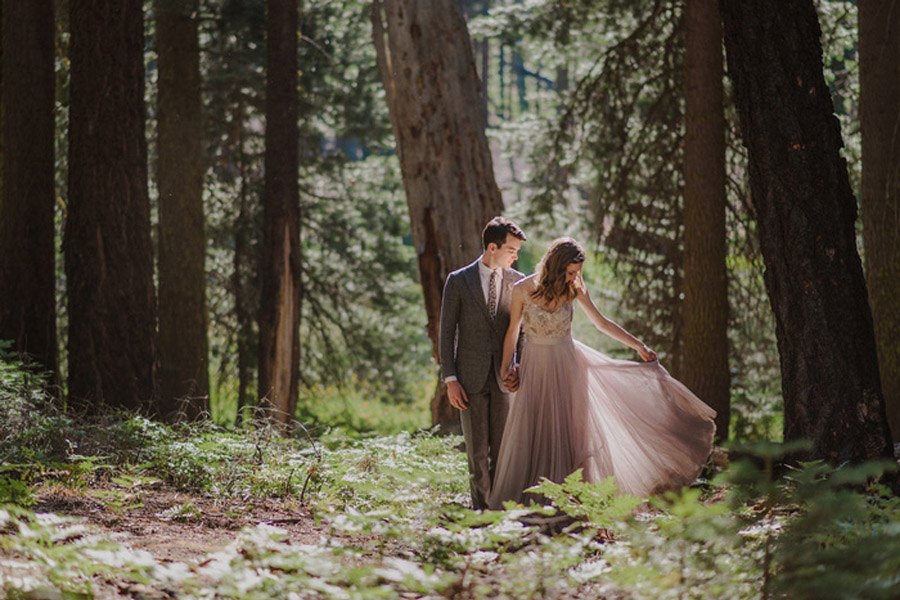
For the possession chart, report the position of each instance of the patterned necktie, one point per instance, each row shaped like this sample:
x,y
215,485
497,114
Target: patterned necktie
x,y
492,294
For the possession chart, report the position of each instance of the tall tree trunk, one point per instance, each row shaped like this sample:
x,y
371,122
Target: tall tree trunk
x,y
805,215
485,46
879,70
428,68
279,315
183,345
1,106
108,256
243,266
27,252
704,360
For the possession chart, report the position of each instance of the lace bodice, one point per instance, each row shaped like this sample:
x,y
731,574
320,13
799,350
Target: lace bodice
x,y
540,323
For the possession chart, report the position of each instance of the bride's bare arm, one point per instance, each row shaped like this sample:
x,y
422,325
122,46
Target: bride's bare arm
x,y
610,327
517,303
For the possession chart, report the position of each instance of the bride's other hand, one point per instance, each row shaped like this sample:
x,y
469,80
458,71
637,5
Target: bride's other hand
x,y
647,354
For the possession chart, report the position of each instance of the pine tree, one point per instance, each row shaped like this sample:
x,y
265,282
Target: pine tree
x,y
27,251
433,91
183,346
879,70
108,255
806,214
279,314
704,361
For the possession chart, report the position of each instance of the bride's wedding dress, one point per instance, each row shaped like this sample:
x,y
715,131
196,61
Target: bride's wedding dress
x,y
578,408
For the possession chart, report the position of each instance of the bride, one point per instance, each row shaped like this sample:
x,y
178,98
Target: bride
x,y
578,408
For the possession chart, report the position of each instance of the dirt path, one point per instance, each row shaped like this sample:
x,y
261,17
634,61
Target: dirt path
x,y
174,526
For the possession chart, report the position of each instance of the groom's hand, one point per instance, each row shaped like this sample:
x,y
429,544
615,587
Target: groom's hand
x,y
457,395
511,379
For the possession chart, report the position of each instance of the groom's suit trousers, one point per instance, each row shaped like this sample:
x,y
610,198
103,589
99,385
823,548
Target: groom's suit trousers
x,y
482,426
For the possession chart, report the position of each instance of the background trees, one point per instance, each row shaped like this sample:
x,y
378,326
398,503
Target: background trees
x,y
879,112
279,313
806,213
704,364
602,122
27,269
183,347
112,349
433,93
234,80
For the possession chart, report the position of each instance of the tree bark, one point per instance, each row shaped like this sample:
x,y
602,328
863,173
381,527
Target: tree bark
x,y
428,69
485,81
704,364
27,251
879,70
243,267
108,256
805,215
183,345
1,106
279,316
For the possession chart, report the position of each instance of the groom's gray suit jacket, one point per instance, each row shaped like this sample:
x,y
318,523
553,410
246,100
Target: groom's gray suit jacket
x,y
471,343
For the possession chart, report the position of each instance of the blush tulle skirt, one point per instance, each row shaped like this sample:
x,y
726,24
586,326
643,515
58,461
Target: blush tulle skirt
x,y
578,408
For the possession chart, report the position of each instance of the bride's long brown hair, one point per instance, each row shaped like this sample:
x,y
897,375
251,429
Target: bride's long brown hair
x,y
551,272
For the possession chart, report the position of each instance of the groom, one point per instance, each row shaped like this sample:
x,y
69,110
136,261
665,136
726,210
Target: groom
x,y
474,318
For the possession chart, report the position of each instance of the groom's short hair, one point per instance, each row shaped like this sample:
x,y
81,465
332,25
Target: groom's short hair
x,y
497,229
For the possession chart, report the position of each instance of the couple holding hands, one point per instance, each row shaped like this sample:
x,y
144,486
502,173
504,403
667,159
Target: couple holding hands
x,y
535,403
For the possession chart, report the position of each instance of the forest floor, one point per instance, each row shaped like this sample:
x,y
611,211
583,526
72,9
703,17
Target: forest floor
x,y
159,513
205,513
154,519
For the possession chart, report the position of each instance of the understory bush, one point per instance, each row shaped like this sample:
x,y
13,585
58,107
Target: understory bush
x,y
30,419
